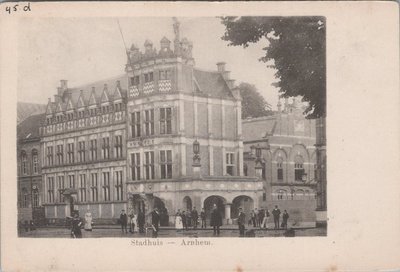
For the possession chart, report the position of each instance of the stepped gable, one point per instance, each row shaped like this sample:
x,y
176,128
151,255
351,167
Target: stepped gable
x,y
29,128
99,88
211,83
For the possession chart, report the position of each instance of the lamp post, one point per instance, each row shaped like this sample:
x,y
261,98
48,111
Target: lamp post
x,y
196,159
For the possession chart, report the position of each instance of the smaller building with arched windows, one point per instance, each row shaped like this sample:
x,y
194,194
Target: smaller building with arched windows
x,y
30,193
280,149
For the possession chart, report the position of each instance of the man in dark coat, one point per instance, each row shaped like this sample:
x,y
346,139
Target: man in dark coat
x,y
76,227
183,216
123,218
141,221
285,217
188,218
195,217
216,220
203,219
155,221
276,213
241,222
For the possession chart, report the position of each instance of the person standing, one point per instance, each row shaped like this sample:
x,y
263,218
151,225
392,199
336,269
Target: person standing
x,y
285,217
216,220
123,218
265,219
188,219
195,217
241,222
76,227
260,218
183,216
253,218
178,221
155,222
203,218
256,217
88,220
140,221
132,223
276,213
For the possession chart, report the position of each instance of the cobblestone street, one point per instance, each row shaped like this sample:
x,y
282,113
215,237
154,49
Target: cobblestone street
x,y
164,233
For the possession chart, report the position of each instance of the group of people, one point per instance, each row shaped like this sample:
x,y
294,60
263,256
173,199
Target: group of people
x,y
189,219
260,219
76,224
135,221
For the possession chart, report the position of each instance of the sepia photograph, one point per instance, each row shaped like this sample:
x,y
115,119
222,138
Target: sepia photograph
x,y
171,127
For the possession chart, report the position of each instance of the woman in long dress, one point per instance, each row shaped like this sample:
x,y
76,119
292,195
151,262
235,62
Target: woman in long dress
x,y
88,220
178,222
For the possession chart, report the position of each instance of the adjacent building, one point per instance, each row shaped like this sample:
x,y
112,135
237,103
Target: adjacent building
x,y
280,149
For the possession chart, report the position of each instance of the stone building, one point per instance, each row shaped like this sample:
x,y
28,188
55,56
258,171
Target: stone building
x,y
30,189
164,134
280,149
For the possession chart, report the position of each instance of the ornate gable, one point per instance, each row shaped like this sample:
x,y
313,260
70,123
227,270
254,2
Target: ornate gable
x,y
104,95
49,109
59,107
117,94
70,106
81,101
92,99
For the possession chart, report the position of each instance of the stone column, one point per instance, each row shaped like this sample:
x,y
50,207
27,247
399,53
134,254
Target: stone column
x,y
228,213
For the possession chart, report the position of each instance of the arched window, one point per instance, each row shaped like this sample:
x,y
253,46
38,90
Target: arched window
x,y
279,166
35,161
24,162
25,198
298,168
35,198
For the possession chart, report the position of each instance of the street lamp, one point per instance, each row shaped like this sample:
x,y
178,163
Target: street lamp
x,y
196,152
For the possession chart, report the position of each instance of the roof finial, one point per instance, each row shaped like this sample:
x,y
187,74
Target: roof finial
x,y
176,28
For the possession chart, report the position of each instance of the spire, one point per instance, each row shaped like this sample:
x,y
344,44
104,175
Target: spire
x,y
177,36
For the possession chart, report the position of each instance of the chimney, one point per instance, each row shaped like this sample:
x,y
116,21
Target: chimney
x,y
230,82
64,84
221,66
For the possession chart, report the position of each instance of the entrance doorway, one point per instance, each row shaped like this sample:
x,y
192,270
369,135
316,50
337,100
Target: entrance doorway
x,y
209,204
187,203
244,202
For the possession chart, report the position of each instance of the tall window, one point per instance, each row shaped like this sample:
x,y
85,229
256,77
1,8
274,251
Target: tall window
x,y
81,114
70,152
135,80
35,202
280,171
60,154
118,186
229,163
35,161
118,146
24,163
106,148
135,125
135,166
93,149
148,77
82,188
25,198
298,169
149,122
61,187
81,151
71,181
165,74
165,120
50,189
49,155
149,165
94,187
166,164
106,186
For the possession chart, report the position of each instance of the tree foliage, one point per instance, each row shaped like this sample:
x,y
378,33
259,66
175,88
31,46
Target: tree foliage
x,y
295,47
253,104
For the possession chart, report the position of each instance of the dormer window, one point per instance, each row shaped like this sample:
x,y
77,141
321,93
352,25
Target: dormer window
x,y
148,77
70,116
92,112
81,114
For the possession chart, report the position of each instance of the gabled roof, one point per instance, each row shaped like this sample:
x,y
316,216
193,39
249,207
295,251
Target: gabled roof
x,y
211,83
29,128
258,128
70,105
104,95
92,99
24,110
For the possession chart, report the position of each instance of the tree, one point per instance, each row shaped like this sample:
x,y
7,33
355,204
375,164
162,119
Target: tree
x,y
253,104
295,47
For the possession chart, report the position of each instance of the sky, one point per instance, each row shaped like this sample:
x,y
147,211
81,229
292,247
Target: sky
x,y
84,50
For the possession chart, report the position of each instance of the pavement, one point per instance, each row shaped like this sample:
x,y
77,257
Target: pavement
x,y
166,232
